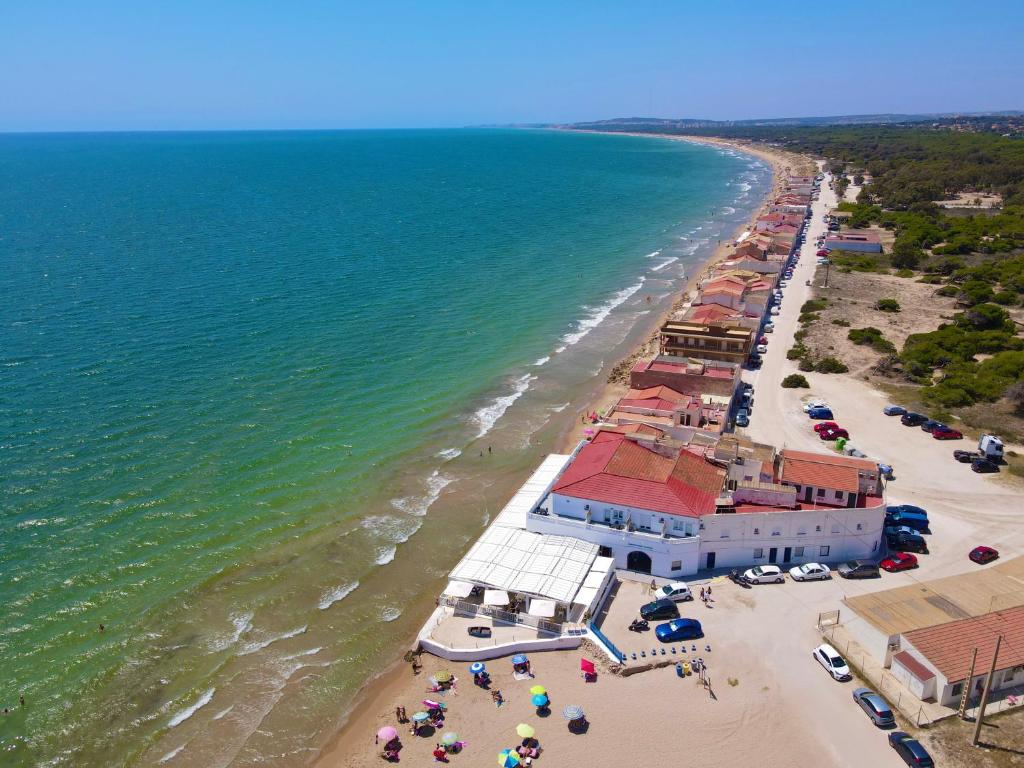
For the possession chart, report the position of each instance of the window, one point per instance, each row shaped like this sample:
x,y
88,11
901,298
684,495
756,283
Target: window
x,y
821,492
758,553
839,494
823,552
835,529
817,529
957,690
798,552
677,565
860,526
757,531
777,532
801,531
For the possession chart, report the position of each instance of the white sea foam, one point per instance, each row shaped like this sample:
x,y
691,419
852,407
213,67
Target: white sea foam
x,y
187,712
541,360
260,645
336,594
418,505
664,264
303,654
448,454
598,316
390,613
652,254
223,713
728,210
488,416
558,408
170,755
745,186
385,555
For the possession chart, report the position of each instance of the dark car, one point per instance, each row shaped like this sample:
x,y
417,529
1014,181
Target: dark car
x,y
820,413
984,466
982,555
907,542
965,457
898,561
908,518
875,707
754,362
913,419
894,508
910,750
931,425
858,569
947,434
679,629
659,609
833,434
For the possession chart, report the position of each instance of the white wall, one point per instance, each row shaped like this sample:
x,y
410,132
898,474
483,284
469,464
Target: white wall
x,y
922,690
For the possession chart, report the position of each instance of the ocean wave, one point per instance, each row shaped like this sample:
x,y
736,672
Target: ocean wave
x,y
223,713
728,210
170,755
448,454
652,254
598,315
385,555
303,654
418,505
488,416
390,613
744,186
541,360
260,645
187,712
664,264
558,408
336,594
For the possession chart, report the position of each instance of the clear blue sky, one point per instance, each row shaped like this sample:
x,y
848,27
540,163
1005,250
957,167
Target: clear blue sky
x,y
143,64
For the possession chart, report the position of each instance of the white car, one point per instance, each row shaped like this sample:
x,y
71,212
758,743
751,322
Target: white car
x,y
676,590
815,404
764,574
762,349
769,328
833,663
783,283
774,310
810,572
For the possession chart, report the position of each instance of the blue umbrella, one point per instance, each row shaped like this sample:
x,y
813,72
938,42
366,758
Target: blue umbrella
x,y
519,658
539,700
476,668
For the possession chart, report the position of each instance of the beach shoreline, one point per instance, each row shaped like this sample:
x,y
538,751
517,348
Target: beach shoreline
x,y
377,697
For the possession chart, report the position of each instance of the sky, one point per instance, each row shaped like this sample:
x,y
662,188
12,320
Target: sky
x,y
249,64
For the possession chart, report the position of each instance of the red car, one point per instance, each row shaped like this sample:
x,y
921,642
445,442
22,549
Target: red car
x,y
823,425
898,561
764,340
823,252
833,434
982,555
947,434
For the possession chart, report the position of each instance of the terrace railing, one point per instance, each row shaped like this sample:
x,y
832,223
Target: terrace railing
x,y
506,617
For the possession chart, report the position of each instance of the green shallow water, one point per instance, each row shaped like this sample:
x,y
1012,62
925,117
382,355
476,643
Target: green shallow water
x,y
235,371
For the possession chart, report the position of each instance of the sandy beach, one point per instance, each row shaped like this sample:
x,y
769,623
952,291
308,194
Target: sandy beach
x,y
487,729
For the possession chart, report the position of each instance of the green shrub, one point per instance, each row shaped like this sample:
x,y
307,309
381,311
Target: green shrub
x,y
796,352
840,321
930,279
1006,298
905,273
805,364
830,365
813,305
948,290
794,381
800,335
808,317
887,305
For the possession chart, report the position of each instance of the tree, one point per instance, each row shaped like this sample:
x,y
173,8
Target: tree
x,y
1014,393
906,255
986,317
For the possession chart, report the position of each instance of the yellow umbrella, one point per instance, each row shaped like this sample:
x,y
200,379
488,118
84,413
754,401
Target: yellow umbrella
x,y
525,731
538,689
443,676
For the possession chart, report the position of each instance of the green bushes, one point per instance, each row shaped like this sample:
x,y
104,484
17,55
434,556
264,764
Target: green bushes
x,y
813,305
805,364
872,337
796,352
841,322
794,381
887,305
830,365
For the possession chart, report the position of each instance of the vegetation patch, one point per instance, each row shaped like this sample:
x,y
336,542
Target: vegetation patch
x,y
830,365
795,381
887,305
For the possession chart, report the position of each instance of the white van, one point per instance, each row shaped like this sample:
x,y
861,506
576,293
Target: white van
x,y
677,591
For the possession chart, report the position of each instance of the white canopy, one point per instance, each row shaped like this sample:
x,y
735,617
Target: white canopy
x,y
532,492
459,589
543,608
602,564
595,580
585,596
495,597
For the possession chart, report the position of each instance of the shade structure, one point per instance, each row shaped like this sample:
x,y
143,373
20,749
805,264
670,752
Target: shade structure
x,y
495,597
477,667
419,717
431,704
508,759
572,712
538,689
449,738
443,676
525,730
519,658
585,596
459,589
540,700
587,666
543,608
386,734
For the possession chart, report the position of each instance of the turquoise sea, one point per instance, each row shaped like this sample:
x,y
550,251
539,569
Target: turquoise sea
x,y
248,384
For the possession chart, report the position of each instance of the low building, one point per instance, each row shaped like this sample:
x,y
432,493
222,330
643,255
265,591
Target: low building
x,y
687,376
706,341
862,242
676,414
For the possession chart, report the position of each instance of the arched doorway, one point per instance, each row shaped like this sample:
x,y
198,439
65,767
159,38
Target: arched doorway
x,y
638,561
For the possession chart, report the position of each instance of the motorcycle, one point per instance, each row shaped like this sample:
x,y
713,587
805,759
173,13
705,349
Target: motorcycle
x,y
639,625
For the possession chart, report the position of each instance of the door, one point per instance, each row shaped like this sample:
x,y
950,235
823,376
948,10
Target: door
x,y
711,561
773,554
787,553
638,561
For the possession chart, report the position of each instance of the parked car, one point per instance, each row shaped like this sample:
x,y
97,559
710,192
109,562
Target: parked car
x,y
810,572
833,434
947,434
678,629
773,311
966,457
894,410
814,404
820,413
678,591
887,471
764,574
907,515
898,561
833,663
742,418
858,569
822,252
875,707
902,509
821,426
910,750
763,340
659,609
906,540
911,419
762,349
931,425
754,362
984,466
983,554
769,328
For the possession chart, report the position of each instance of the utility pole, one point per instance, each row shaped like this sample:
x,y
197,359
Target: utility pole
x,y
985,692
966,696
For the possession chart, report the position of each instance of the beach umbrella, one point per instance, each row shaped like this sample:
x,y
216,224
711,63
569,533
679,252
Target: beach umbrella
x,y
519,658
443,676
508,759
419,717
572,712
431,704
387,733
449,738
587,666
538,689
476,668
525,731
539,700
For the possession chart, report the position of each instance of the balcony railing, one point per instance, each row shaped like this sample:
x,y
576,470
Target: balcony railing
x,y
624,527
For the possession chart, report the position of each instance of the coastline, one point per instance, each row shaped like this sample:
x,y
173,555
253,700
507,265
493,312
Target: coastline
x,y
377,697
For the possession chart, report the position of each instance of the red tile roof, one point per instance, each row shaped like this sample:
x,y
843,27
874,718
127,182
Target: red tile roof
x,y
708,312
639,429
948,646
840,473
615,470
915,667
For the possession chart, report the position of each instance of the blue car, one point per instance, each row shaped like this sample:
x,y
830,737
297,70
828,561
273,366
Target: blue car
x,y
820,413
679,629
894,410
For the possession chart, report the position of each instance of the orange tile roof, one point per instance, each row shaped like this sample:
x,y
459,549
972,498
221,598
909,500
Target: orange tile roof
x,y
948,646
916,668
661,392
841,473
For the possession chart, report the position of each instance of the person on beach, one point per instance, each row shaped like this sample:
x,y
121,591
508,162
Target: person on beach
x,y
709,591
440,756
702,594
497,698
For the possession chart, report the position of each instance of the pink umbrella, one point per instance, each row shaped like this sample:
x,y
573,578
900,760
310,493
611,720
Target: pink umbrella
x,y
387,733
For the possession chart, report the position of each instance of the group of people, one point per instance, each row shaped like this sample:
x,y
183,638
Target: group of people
x,y
482,679
441,751
705,594
528,751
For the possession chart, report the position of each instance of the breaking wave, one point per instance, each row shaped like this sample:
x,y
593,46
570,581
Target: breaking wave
x,y
598,316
